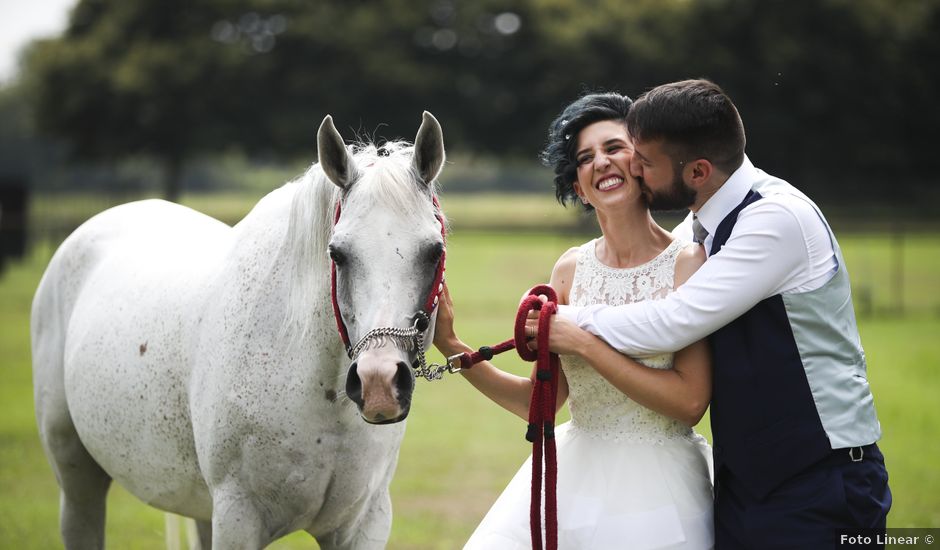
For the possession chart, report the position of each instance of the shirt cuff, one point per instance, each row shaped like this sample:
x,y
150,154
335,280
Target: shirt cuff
x,y
571,313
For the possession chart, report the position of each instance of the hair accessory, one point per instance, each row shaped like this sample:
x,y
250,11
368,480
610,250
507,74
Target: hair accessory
x,y
567,137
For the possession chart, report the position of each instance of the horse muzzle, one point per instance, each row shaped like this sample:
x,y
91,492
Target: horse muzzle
x,y
381,383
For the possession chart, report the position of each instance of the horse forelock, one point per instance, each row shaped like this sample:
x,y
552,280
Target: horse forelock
x,y
388,177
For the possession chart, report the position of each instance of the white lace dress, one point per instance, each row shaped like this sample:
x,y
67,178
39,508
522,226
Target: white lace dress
x,y
628,477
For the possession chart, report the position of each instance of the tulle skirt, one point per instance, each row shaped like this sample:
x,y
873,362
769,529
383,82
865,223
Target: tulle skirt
x,y
613,495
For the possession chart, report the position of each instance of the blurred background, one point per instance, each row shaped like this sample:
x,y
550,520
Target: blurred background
x,y
214,103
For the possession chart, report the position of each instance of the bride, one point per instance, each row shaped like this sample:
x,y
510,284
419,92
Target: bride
x,y
631,471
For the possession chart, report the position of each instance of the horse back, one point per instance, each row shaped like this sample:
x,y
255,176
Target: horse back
x,y
121,240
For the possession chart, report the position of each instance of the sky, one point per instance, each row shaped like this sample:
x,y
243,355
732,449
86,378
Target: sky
x,y
22,21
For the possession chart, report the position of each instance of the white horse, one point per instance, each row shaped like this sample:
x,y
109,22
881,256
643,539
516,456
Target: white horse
x,y
199,364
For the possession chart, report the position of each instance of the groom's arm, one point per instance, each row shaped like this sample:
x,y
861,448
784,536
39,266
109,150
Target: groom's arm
x,y
763,256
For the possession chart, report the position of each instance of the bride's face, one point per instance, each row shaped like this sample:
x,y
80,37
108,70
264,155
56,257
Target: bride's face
x,y
603,155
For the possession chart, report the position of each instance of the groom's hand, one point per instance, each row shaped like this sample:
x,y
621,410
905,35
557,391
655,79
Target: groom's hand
x,y
564,337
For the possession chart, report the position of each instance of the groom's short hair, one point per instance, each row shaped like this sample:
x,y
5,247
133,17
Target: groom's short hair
x,y
694,119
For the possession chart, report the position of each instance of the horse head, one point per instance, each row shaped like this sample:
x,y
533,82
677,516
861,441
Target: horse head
x,y
387,249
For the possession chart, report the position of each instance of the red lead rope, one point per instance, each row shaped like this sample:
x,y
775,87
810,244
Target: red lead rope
x,y
541,430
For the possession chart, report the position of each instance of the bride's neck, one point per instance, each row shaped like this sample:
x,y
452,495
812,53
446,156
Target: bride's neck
x,y
631,237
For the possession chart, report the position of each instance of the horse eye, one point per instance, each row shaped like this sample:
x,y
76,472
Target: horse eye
x,y
337,255
434,252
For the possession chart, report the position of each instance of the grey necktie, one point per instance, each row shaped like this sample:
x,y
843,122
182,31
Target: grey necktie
x,y
698,232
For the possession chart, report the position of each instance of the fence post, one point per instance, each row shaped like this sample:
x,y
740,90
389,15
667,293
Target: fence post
x,y
897,273
13,203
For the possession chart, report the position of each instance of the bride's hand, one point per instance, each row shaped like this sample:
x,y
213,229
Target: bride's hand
x,y
445,339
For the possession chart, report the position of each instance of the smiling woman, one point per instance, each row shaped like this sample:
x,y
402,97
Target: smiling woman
x,y
562,148
603,156
629,459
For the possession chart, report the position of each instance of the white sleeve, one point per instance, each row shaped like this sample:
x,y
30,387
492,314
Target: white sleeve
x,y
683,231
765,251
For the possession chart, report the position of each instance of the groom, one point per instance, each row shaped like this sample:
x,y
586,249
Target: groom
x,y
792,415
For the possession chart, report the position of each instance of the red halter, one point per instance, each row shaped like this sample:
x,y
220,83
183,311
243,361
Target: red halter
x,y
429,304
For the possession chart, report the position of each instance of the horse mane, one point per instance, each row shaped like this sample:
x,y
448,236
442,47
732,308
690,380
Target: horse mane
x,y
387,176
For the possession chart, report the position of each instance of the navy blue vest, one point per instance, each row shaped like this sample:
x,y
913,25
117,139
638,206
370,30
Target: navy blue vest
x,y
764,421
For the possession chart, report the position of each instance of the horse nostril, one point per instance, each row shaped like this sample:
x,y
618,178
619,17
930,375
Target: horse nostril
x,y
404,379
354,385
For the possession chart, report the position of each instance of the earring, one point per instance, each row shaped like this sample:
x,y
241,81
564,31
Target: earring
x,y
584,199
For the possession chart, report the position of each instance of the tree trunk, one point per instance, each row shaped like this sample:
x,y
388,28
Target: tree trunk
x,y
172,178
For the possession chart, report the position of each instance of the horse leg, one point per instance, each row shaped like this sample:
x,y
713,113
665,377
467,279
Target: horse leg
x,y
83,484
84,488
203,538
370,532
198,533
237,524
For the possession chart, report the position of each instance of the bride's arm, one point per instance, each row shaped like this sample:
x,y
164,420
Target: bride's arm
x,y
682,392
509,391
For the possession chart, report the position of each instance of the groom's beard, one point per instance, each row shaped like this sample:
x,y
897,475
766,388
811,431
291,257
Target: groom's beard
x,y
675,197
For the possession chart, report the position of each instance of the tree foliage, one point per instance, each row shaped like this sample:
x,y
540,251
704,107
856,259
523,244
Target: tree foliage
x,y
833,92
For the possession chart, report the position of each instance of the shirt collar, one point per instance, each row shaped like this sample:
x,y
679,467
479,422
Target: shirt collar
x,y
728,196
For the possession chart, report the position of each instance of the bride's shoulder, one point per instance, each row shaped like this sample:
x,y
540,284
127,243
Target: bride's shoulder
x,y
570,255
688,260
563,272
567,261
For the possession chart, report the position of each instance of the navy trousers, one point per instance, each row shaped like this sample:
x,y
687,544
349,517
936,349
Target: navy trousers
x,y
807,510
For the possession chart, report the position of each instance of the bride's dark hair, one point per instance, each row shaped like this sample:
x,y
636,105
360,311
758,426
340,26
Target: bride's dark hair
x,y
563,137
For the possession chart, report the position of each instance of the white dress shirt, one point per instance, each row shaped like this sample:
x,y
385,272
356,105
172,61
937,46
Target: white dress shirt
x,y
780,244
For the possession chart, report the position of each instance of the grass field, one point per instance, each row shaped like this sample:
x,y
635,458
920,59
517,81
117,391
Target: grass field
x,y
459,451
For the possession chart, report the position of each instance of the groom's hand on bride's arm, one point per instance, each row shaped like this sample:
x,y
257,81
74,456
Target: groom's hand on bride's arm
x,y
564,337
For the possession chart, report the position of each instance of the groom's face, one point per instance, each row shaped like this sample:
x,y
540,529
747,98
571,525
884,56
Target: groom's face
x,y
660,177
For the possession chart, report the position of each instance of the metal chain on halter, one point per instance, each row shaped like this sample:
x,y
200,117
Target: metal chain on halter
x,y
407,339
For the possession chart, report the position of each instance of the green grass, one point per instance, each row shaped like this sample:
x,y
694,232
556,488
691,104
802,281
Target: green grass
x,y
459,450
891,272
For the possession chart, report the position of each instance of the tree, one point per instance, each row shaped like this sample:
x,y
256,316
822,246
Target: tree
x,y
837,94
141,78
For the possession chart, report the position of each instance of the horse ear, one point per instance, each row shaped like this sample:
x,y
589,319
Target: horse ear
x,y
335,159
429,148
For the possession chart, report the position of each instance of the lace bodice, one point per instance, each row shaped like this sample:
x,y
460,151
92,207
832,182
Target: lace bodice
x,y
596,406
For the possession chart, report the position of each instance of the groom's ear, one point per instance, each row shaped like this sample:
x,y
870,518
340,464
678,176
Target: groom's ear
x,y
699,172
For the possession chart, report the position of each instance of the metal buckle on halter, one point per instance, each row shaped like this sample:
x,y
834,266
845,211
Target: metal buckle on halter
x,y
454,364
861,454
435,371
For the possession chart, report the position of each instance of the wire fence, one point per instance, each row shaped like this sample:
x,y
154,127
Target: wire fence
x,y
894,264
